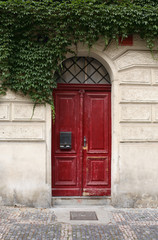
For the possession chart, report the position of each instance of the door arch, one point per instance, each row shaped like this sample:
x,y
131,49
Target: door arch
x,y
82,165
83,70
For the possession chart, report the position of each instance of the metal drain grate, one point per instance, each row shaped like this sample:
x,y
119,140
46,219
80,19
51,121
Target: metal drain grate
x,y
83,215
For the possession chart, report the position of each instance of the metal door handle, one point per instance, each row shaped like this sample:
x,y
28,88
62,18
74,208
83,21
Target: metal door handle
x,y
85,147
84,141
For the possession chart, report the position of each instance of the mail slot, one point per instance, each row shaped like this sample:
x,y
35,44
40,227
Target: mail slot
x,y
65,140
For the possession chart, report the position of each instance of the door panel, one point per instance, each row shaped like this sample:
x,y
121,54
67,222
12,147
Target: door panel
x,y
96,179
66,171
82,170
97,171
96,116
66,180
67,118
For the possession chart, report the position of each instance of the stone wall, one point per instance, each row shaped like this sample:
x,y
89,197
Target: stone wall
x,y
25,142
23,152
137,76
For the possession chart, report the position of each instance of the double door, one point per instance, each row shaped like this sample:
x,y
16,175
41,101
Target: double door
x,y
83,166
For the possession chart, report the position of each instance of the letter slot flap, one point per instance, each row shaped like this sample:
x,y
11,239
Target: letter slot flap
x,y
65,140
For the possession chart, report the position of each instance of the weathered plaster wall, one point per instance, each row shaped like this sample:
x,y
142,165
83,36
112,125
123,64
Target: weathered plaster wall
x,y
25,143
23,152
135,183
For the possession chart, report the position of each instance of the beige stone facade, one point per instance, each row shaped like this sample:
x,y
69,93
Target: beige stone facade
x,y
25,141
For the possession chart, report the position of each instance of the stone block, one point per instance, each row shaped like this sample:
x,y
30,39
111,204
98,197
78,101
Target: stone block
x,y
123,200
14,132
23,174
4,111
138,168
139,43
155,112
154,76
135,113
135,58
139,94
113,50
11,96
24,112
135,76
139,132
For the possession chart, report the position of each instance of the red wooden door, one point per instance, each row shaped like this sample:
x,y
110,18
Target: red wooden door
x,y
83,170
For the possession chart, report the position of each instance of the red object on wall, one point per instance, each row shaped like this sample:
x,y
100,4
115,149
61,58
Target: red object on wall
x,y
126,41
85,169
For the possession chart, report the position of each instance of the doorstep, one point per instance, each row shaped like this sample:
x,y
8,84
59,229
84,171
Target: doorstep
x,y
81,201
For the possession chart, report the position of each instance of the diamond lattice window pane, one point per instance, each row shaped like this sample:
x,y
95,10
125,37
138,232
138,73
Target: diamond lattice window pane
x,y
83,70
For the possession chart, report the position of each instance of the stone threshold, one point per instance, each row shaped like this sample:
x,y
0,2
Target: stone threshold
x,y
81,201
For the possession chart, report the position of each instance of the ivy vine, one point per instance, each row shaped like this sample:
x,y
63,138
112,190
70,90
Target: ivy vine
x,y
35,36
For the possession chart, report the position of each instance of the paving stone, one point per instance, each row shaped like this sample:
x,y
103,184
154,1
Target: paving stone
x,y
41,224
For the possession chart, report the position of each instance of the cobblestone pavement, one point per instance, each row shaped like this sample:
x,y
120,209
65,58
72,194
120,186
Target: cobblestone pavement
x,y
39,224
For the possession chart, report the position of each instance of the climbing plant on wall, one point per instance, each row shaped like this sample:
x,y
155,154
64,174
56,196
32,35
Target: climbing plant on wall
x,y
35,36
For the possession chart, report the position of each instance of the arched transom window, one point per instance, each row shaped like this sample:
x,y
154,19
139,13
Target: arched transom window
x,y
83,70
